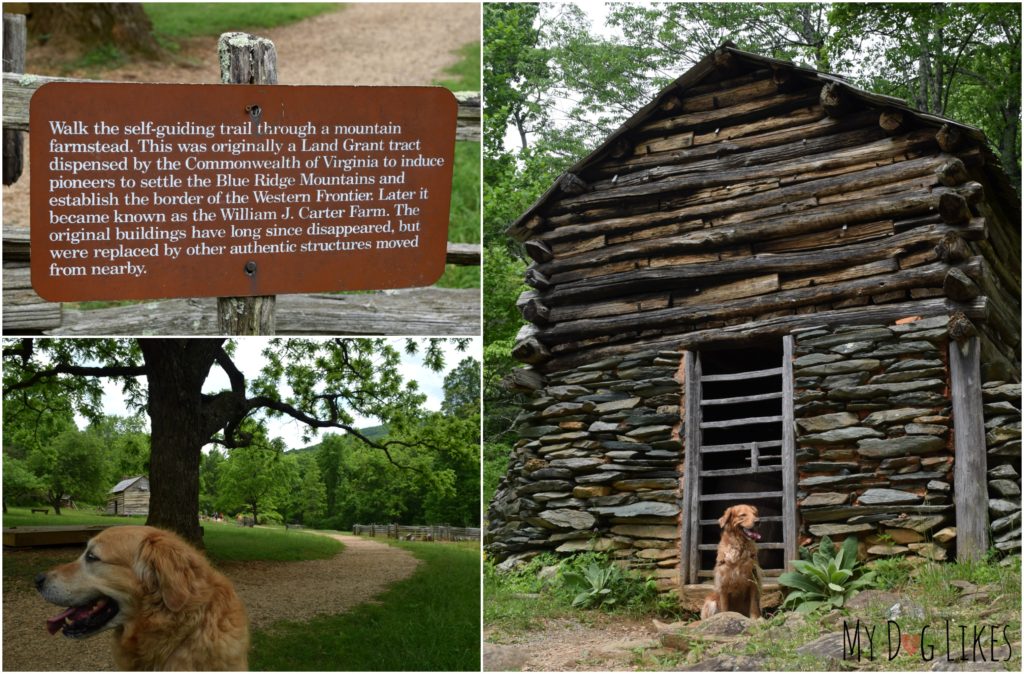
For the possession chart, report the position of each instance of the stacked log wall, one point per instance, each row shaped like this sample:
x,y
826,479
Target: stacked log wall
x,y
596,468
747,206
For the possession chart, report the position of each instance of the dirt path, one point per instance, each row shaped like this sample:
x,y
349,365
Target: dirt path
x,y
604,643
362,44
271,592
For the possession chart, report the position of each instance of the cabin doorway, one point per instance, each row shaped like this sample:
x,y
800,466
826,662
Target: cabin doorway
x,y
739,449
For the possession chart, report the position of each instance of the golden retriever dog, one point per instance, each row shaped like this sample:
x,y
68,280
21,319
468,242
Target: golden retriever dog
x,y
169,609
737,574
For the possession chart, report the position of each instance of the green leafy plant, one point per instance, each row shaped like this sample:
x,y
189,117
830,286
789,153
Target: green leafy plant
x,y
594,585
591,580
826,578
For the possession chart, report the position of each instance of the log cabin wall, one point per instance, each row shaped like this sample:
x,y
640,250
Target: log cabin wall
x,y
754,199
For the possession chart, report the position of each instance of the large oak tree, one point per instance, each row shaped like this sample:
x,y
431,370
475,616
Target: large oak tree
x,y
320,383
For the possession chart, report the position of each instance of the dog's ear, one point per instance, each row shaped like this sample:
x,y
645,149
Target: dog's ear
x,y
723,521
170,569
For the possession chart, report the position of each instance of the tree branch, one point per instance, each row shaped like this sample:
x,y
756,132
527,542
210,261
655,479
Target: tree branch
x,y
79,371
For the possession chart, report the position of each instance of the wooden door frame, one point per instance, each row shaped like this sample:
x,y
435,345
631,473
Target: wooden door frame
x,y
689,523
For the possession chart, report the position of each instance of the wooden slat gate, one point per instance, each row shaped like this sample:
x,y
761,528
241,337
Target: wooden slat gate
x,y
739,449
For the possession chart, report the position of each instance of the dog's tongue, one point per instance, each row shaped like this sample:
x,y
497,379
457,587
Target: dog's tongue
x,y
75,613
751,534
54,624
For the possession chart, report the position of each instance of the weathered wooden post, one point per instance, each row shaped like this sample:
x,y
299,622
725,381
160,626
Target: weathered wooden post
x,y
14,62
247,59
970,458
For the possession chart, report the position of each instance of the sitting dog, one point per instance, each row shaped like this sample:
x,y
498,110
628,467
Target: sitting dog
x,y
169,609
737,573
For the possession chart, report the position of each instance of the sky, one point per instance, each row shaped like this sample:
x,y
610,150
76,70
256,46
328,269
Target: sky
x,y
249,359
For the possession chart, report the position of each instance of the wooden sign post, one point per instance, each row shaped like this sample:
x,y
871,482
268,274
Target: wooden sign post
x,y
246,59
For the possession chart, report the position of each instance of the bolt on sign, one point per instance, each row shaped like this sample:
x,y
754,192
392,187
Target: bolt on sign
x,y
145,191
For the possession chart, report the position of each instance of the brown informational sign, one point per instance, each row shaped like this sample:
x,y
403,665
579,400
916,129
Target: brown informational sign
x,y
145,191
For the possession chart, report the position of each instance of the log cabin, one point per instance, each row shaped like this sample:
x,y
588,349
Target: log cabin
x,y
771,287
130,496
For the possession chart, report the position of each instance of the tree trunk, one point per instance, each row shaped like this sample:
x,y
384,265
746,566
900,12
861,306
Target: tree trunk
x,y
177,370
86,25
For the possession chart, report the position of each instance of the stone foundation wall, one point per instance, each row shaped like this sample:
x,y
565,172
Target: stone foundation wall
x,y
596,468
1002,423
598,462
874,446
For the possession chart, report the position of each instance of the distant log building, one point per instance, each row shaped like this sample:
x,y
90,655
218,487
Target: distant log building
x,y
769,286
130,496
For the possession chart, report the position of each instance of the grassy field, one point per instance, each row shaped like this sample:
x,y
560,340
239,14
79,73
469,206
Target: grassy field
x,y
224,542
194,19
429,622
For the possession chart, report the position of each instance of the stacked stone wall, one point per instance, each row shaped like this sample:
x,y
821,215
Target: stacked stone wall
x,y
597,468
1002,424
874,446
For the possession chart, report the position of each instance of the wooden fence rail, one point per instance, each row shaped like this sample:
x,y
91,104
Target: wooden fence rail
x,y
431,532
392,312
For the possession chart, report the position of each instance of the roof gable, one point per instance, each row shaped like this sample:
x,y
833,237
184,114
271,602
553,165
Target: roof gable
x,y
729,65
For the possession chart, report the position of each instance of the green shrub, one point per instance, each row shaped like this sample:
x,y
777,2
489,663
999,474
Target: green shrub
x,y
591,580
826,578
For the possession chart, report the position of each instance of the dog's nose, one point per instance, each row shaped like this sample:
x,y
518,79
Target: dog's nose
x,y
40,580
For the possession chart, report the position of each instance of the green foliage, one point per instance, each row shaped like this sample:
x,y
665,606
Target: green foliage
x,y
825,579
72,466
891,573
437,482
462,388
428,622
503,282
584,581
495,465
591,580
254,477
593,585
19,481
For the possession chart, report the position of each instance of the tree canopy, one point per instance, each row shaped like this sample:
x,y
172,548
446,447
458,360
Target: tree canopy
x,y
323,384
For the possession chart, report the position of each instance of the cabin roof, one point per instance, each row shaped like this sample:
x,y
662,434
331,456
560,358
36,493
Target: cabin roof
x,y
124,484
706,66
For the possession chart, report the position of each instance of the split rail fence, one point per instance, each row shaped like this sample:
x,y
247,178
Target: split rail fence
x,y
437,532
408,311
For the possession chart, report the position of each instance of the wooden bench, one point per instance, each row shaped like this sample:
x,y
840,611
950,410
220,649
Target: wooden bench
x,y
44,511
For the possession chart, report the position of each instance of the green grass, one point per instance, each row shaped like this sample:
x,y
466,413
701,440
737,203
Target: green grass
x,y
428,622
465,74
224,542
464,224
227,542
195,19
